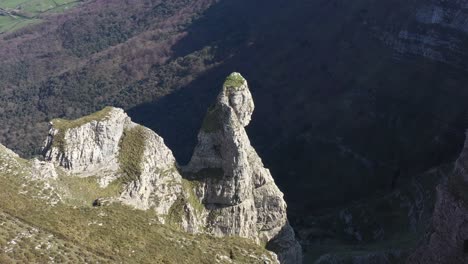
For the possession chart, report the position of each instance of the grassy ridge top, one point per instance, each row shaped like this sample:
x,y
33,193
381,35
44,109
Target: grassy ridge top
x,y
64,124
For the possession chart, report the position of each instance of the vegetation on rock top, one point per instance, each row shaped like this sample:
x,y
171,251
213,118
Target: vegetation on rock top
x,y
62,125
190,187
235,80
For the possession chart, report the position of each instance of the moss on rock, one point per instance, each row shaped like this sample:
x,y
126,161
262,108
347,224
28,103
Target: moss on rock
x,y
212,121
176,213
132,147
235,80
189,189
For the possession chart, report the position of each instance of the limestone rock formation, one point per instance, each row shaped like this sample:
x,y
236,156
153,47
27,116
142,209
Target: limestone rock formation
x,y
447,240
109,146
225,190
236,188
44,170
88,144
52,216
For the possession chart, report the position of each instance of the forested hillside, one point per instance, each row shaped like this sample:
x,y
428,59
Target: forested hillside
x,y
87,57
351,95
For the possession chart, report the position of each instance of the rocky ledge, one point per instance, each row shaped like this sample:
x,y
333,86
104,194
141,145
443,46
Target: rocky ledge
x,y
225,190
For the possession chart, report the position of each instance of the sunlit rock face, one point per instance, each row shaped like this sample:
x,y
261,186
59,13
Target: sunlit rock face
x,y
87,144
107,145
225,190
236,188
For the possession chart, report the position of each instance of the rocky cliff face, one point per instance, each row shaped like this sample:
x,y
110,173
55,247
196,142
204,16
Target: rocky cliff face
x,y
225,190
108,146
437,31
235,186
447,240
89,145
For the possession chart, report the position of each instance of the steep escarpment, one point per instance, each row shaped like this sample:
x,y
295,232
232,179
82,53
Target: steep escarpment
x,y
447,240
234,185
225,190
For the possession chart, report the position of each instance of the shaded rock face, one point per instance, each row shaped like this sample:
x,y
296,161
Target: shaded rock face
x,y
448,238
237,189
225,190
447,241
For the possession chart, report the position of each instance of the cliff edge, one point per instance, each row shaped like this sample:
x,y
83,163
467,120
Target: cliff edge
x,y
225,190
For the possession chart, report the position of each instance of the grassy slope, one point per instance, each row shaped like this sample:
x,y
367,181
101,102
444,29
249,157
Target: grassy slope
x,y
132,145
37,245
31,230
28,12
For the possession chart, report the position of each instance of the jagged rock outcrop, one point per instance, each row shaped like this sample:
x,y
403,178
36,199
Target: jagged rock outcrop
x,y
225,190
88,144
236,188
109,146
447,239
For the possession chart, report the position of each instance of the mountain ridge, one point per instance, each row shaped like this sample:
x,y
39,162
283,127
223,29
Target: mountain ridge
x,y
129,164
325,72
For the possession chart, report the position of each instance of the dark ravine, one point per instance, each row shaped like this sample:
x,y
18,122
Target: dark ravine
x,y
384,228
424,222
